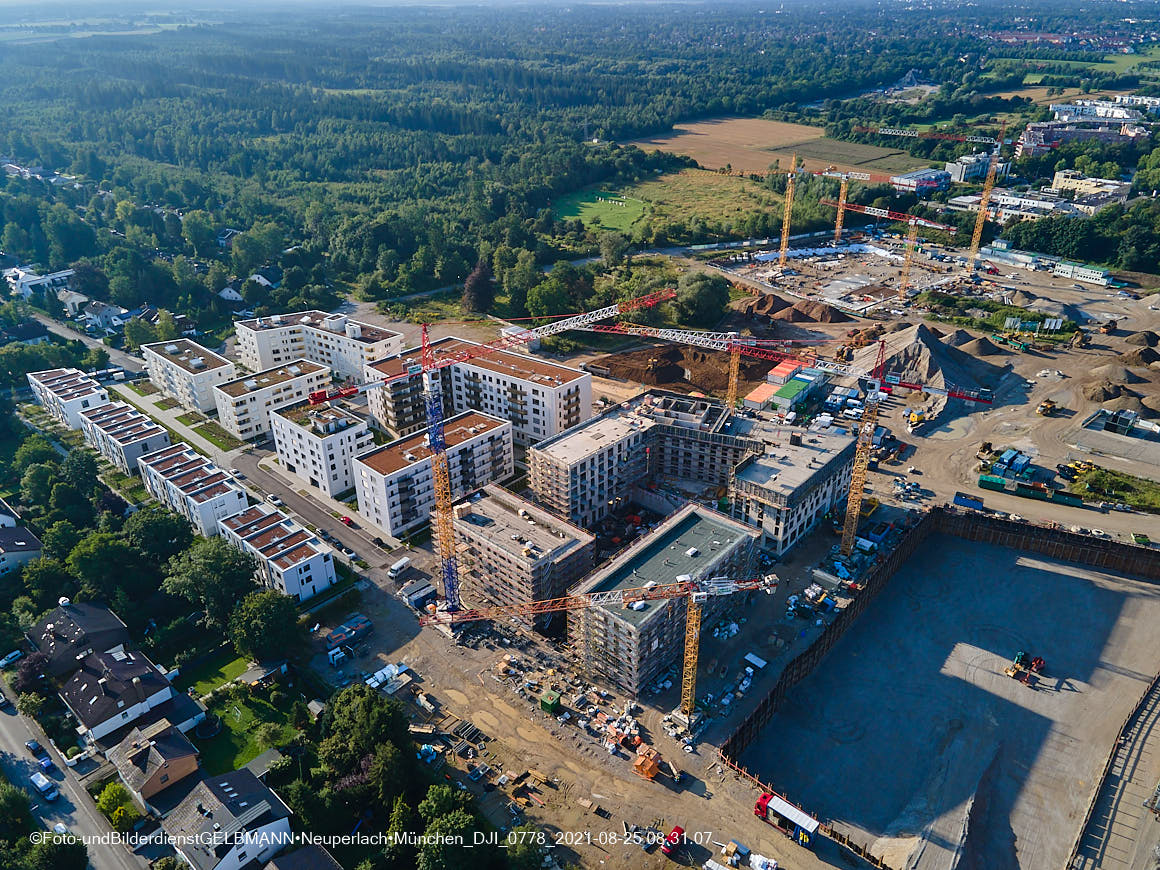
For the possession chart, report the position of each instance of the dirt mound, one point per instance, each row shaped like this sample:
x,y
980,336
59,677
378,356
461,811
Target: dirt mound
x,y
956,339
766,303
1117,374
917,355
980,347
808,311
1023,299
1128,403
1147,338
1102,391
1140,357
682,368
1152,403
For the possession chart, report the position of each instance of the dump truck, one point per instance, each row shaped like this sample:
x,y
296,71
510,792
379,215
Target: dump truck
x,y
1046,408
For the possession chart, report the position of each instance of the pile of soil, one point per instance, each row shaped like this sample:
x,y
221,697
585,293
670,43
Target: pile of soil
x,y
1152,403
956,339
1147,338
980,347
1128,403
901,325
1117,374
808,311
1102,391
917,355
766,304
1140,357
1023,299
682,368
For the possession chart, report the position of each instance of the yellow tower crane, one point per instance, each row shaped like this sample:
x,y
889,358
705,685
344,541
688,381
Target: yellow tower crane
x,y
841,208
785,221
908,258
984,202
734,371
862,451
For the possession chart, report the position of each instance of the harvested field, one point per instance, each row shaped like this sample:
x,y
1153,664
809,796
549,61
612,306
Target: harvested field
x,y
753,144
681,368
910,732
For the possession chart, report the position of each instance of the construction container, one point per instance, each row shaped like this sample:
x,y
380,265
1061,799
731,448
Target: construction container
x,y
550,702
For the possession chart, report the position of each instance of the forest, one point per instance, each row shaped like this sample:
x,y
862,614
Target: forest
x,y
396,150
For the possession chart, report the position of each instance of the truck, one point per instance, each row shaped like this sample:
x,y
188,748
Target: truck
x,y
397,569
44,786
962,499
756,661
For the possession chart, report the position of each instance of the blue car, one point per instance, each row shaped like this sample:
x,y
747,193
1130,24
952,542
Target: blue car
x,y
40,754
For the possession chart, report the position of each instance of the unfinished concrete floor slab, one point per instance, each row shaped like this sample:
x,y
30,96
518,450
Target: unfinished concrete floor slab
x,y
910,736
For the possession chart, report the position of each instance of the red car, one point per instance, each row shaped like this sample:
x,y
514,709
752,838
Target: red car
x,y
673,841
347,521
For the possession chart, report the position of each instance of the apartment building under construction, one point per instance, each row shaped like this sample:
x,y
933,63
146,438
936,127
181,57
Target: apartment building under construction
x,y
631,647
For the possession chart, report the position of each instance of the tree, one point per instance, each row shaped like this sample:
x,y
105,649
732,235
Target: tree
x,y
30,673
440,801
441,851
103,563
265,625
70,504
166,326
548,298
139,332
15,814
59,853
158,533
37,482
613,247
30,705
35,449
47,579
197,228
701,298
478,292
212,575
112,796
268,734
359,719
523,851
80,469
520,278
388,773
59,539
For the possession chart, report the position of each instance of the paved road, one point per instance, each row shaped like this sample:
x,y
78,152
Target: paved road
x,y
308,509
116,357
73,808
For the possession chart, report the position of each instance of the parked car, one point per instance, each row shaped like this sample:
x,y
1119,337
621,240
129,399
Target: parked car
x,y
673,841
40,754
235,473
5,702
274,500
347,521
12,657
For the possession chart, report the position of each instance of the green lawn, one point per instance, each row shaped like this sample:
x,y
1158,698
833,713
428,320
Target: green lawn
x,y
217,670
129,486
191,418
173,436
600,208
143,388
168,404
235,744
219,437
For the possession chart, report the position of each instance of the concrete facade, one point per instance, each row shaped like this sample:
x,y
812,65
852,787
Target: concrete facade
x,y
189,484
244,404
514,551
186,371
122,434
395,484
318,444
541,399
630,647
64,393
290,559
341,344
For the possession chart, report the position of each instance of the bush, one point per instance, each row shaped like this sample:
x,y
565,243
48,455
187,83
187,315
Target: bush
x,y
123,818
73,751
113,797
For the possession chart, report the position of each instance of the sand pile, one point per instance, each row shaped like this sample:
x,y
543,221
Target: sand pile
x,y
1147,338
1102,391
917,355
980,347
766,304
808,311
956,339
1141,356
1116,374
1023,299
682,368
1127,403
900,325
1152,403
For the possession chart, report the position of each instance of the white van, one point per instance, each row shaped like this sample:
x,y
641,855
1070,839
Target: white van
x,y
45,787
396,570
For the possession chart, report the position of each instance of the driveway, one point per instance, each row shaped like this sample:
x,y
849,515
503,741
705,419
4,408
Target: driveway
x,y
73,808
116,357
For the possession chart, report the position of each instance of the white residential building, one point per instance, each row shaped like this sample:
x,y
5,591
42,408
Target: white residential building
x,y
64,393
345,346
244,404
318,444
189,484
290,558
24,282
541,399
395,485
122,434
113,689
18,546
186,371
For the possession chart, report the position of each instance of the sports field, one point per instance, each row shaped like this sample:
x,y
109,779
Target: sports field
x,y
600,209
755,145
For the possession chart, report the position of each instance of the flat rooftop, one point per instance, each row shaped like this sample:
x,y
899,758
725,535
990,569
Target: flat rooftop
x,y
510,365
276,536
407,451
123,423
368,333
497,516
270,378
66,384
320,419
785,468
663,554
187,354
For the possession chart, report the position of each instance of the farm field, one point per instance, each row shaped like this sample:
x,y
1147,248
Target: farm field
x,y
670,198
754,144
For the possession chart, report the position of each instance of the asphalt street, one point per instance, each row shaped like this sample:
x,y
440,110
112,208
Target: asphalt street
x,y
73,808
